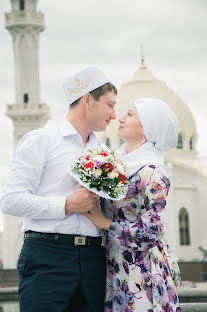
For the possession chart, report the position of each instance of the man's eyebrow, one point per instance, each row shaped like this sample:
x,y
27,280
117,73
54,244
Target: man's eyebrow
x,y
112,102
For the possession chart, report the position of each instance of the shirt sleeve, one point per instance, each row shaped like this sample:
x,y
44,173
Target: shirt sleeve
x,y
152,189
19,193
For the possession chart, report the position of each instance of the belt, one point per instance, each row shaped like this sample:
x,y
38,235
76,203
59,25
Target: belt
x,y
73,240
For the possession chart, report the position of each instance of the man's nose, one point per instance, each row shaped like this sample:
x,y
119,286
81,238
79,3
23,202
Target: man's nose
x,y
113,116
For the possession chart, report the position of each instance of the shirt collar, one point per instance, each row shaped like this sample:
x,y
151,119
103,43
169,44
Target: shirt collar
x,y
68,129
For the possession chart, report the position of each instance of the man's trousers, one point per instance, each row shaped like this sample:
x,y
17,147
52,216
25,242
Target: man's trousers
x,y
57,277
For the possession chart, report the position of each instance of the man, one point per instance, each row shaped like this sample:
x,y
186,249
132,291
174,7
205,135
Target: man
x,y
62,262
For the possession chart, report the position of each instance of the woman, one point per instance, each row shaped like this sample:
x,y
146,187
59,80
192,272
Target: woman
x,y
142,274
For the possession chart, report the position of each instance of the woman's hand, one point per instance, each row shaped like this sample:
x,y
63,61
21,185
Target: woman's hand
x,y
97,217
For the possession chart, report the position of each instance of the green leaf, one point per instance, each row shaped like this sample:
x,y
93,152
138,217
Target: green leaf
x,y
117,180
94,183
76,170
103,183
106,189
109,180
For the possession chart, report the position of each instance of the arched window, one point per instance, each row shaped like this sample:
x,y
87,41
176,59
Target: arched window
x,y
121,142
191,143
108,143
184,227
180,141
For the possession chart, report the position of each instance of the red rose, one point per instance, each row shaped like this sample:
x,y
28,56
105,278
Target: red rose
x,y
88,165
122,177
104,154
107,167
87,157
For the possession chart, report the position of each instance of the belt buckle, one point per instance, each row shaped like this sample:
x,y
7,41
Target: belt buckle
x,y
79,240
103,241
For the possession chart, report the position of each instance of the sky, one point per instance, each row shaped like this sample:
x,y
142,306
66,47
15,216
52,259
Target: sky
x,y
109,34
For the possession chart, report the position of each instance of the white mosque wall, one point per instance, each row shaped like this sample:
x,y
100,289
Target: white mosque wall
x,y
189,191
202,203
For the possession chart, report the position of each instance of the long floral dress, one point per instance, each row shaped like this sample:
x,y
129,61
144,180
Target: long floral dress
x,y
142,274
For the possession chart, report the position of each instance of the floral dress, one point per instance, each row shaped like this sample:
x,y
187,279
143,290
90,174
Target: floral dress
x,y
142,274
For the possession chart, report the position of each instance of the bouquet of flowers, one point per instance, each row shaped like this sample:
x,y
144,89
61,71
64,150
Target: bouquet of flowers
x,y
102,172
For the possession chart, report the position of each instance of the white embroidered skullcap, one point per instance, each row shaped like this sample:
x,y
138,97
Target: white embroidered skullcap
x,y
83,82
159,123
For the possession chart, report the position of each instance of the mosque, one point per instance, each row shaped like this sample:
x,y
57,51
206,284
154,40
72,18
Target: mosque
x,y
186,212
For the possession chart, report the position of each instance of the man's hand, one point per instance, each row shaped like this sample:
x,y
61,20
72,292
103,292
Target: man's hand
x,y
82,200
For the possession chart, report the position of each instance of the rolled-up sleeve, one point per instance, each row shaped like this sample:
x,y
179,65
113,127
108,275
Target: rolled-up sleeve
x,y
19,196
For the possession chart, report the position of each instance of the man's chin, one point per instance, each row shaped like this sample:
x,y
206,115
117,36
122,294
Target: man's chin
x,y
100,129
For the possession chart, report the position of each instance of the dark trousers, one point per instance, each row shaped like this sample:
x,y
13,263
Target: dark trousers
x,y
56,277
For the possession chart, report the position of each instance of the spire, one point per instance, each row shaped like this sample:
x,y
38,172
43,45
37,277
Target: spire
x,y
142,66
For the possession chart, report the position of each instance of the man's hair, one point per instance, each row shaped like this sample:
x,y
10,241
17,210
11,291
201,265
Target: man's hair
x,y
97,93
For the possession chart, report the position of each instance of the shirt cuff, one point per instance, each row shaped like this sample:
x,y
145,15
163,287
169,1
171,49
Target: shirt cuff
x,y
56,207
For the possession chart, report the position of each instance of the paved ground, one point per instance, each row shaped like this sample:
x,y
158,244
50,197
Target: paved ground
x,y
202,285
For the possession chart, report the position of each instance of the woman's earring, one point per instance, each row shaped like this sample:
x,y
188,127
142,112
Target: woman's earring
x,y
143,140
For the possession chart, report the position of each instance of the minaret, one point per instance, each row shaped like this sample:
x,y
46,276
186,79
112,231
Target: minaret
x,y
24,24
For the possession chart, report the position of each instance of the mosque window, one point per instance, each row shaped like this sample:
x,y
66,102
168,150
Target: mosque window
x,y
191,143
180,141
26,98
121,142
184,227
108,143
21,5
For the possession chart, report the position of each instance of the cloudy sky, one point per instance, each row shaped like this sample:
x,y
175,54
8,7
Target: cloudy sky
x,y
108,33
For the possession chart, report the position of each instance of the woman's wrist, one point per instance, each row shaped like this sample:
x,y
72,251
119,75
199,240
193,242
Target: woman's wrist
x,y
107,224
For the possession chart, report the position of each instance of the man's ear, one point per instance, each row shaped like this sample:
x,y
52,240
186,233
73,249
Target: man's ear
x,y
86,99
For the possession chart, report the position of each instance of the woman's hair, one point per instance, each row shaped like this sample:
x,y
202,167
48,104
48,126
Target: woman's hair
x,y
97,93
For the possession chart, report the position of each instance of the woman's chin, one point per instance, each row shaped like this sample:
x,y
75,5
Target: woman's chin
x,y
120,136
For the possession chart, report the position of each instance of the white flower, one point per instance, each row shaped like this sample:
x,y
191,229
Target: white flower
x,y
120,168
112,174
98,172
100,158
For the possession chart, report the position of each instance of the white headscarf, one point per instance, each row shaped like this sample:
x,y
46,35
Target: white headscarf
x,y
161,131
159,123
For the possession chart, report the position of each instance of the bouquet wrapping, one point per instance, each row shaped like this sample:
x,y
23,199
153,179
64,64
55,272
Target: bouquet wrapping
x,y
101,172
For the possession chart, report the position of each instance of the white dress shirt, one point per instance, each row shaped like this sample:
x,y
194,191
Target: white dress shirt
x,y
39,181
